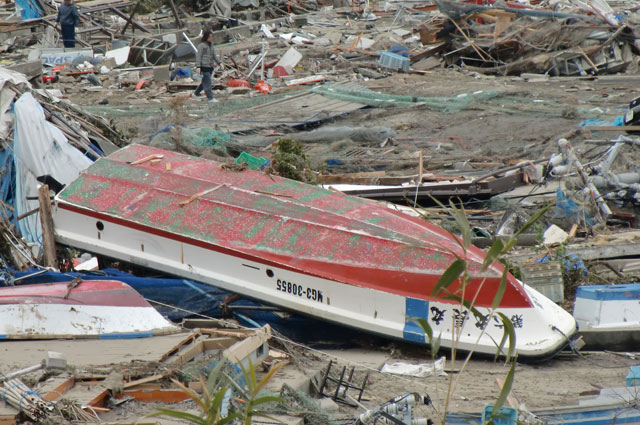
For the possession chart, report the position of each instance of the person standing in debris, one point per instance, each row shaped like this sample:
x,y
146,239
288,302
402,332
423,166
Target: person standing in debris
x,y
206,59
68,18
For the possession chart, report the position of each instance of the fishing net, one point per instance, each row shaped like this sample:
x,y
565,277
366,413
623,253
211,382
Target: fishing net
x,y
202,108
382,100
195,136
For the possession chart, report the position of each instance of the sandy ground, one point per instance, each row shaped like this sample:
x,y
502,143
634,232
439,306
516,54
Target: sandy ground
x,y
557,382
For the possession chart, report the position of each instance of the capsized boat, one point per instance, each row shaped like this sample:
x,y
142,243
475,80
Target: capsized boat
x,y
78,309
321,253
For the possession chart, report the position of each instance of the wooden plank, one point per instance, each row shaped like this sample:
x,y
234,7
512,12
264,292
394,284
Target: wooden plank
x,y
175,14
99,400
8,419
365,177
511,398
176,348
202,346
123,16
46,221
162,395
60,390
239,333
241,350
130,19
144,380
427,52
501,25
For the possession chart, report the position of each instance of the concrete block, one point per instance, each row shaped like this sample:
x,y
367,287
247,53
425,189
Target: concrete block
x,y
31,68
109,63
170,38
328,405
161,73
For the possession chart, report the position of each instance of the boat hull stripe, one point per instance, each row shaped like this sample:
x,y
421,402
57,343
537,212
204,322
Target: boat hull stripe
x,y
415,309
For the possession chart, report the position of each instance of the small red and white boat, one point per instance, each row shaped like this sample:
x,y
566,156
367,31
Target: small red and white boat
x,y
314,251
78,309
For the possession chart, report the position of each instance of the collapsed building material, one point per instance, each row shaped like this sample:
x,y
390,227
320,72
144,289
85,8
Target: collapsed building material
x,y
510,41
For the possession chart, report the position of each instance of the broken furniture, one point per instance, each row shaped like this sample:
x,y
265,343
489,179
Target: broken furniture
x,y
149,51
342,384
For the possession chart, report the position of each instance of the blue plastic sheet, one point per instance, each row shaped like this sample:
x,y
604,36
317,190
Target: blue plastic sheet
x,y
30,9
566,208
7,181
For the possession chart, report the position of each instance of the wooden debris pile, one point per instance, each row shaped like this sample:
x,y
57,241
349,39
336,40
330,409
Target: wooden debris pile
x,y
511,41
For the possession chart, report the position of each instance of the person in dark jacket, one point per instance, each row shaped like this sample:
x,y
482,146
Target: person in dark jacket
x,y
206,59
68,17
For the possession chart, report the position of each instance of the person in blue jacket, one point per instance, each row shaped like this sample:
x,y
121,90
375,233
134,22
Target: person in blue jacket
x,y
68,18
206,59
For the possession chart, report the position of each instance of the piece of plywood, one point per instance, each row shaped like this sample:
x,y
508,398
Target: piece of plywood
x,y
242,349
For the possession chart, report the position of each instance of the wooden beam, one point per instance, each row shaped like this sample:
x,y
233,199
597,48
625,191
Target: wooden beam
x,y
144,380
158,396
243,349
8,420
367,177
46,220
129,18
175,14
98,26
60,390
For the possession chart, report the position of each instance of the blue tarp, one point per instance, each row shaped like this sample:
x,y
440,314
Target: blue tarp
x,y
30,9
7,181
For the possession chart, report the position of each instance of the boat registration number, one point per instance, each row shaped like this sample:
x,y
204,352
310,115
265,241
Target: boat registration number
x,y
299,290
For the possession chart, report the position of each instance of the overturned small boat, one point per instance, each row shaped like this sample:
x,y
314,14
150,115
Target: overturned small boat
x,y
314,251
78,309
609,316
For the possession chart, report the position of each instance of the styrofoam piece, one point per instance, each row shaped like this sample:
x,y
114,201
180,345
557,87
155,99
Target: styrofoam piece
x,y
554,235
121,55
265,30
289,60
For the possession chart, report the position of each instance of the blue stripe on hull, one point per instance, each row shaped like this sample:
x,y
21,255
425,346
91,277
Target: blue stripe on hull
x,y
415,308
126,336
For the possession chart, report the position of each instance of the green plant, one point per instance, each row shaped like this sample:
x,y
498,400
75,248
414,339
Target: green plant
x,y
458,272
291,161
215,396
251,392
